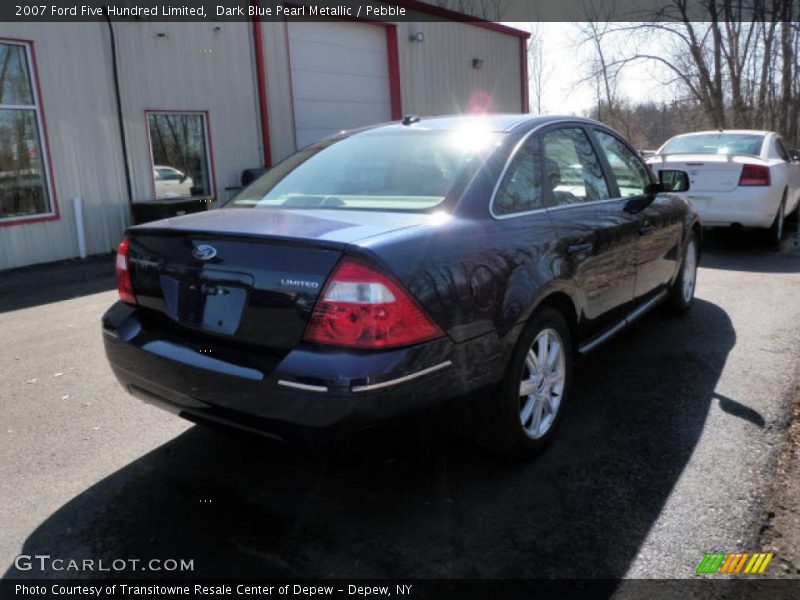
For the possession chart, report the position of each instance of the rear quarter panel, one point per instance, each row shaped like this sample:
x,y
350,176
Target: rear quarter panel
x,y
476,275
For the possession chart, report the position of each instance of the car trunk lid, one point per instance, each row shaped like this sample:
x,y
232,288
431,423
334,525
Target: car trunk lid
x,y
251,276
708,173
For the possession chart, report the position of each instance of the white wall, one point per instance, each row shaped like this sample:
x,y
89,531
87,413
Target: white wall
x,y
77,97
437,74
193,67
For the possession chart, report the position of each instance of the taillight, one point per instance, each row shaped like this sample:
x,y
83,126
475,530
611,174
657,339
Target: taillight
x,y
754,175
124,283
361,307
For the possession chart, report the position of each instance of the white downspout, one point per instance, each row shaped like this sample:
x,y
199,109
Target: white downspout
x,y
78,205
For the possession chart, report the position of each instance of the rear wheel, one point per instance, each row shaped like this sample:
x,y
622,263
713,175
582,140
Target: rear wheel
x,y
682,292
775,234
525,417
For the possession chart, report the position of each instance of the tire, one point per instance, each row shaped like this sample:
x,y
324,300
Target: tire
x,y
509,426
775,232
681,295
794,216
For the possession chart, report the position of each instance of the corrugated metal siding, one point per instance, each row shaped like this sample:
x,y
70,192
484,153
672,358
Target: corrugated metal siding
x,y
192,68
84,147
437,75
279,90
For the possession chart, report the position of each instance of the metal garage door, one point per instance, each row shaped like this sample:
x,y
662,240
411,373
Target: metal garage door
x,y
340,77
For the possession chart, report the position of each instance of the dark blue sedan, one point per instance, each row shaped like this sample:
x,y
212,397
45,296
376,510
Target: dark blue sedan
x,y
384,270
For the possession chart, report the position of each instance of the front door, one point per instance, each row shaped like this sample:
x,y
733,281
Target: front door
x,y
597,235
660,216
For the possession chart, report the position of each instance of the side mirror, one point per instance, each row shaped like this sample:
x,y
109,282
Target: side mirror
x,y
795,154
672,180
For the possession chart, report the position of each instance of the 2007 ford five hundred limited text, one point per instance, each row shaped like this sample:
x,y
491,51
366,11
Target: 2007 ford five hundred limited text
x,y
382,270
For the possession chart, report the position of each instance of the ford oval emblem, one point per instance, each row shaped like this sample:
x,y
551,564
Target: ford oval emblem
x,y
204,252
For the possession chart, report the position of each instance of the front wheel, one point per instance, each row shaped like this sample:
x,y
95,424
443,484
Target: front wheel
x,y
682,293
525,416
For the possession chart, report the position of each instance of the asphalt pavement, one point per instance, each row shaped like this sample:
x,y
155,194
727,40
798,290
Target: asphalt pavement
x,y
667,452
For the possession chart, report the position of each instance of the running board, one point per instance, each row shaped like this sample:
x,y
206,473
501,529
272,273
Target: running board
x,y
635,314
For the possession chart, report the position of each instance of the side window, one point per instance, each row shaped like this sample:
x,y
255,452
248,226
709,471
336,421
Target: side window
x,y
25,187
629,171
521,188
782,151
571,167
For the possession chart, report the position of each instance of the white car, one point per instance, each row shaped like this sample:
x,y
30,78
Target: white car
x,y
736,177
171,183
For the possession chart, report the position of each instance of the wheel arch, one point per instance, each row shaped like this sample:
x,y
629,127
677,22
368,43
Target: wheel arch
x,y
563,300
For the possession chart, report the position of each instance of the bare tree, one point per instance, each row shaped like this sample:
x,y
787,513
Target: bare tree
x,y
539,70
736,59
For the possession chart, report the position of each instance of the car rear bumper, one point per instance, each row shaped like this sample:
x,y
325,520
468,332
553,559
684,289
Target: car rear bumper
x,y
309,387
746,206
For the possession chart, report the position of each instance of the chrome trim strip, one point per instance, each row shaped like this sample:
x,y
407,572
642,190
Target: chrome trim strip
x,y
645,307
391,382
303,386
602,337
503,174
632,316
587,203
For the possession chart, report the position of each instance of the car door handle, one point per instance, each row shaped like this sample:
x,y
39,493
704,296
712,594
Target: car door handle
x,y
647,229
584,248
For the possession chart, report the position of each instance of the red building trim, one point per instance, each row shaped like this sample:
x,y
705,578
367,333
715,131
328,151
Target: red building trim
x,y
45,142
452,15
291,81
394,72
523,74
212,171
261,81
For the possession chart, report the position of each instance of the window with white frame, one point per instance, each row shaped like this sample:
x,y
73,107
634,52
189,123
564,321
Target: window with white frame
x,y
179,149
24,182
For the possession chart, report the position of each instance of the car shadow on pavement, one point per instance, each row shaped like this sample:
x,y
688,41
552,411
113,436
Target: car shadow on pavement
x,y
53,282
241,507
746,250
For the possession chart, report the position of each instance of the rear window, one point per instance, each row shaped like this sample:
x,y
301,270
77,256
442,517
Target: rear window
x,y
405,170
715,143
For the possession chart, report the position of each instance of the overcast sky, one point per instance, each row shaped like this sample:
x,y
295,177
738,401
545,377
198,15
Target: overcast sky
x,y
565,65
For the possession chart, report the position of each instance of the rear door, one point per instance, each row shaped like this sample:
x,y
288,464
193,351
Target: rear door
x,y
596,234
660,216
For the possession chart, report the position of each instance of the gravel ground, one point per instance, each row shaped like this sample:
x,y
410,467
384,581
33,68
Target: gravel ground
x,y
669,450
779,529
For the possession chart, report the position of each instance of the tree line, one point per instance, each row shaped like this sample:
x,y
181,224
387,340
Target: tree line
x,y
731,64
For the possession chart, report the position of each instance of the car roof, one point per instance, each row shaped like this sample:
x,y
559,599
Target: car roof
x,y
491,121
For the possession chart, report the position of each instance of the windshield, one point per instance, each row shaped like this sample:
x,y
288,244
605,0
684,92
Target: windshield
x,y
715,143
399,170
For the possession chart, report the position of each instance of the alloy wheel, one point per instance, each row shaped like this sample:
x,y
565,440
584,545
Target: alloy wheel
x,y
542,386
